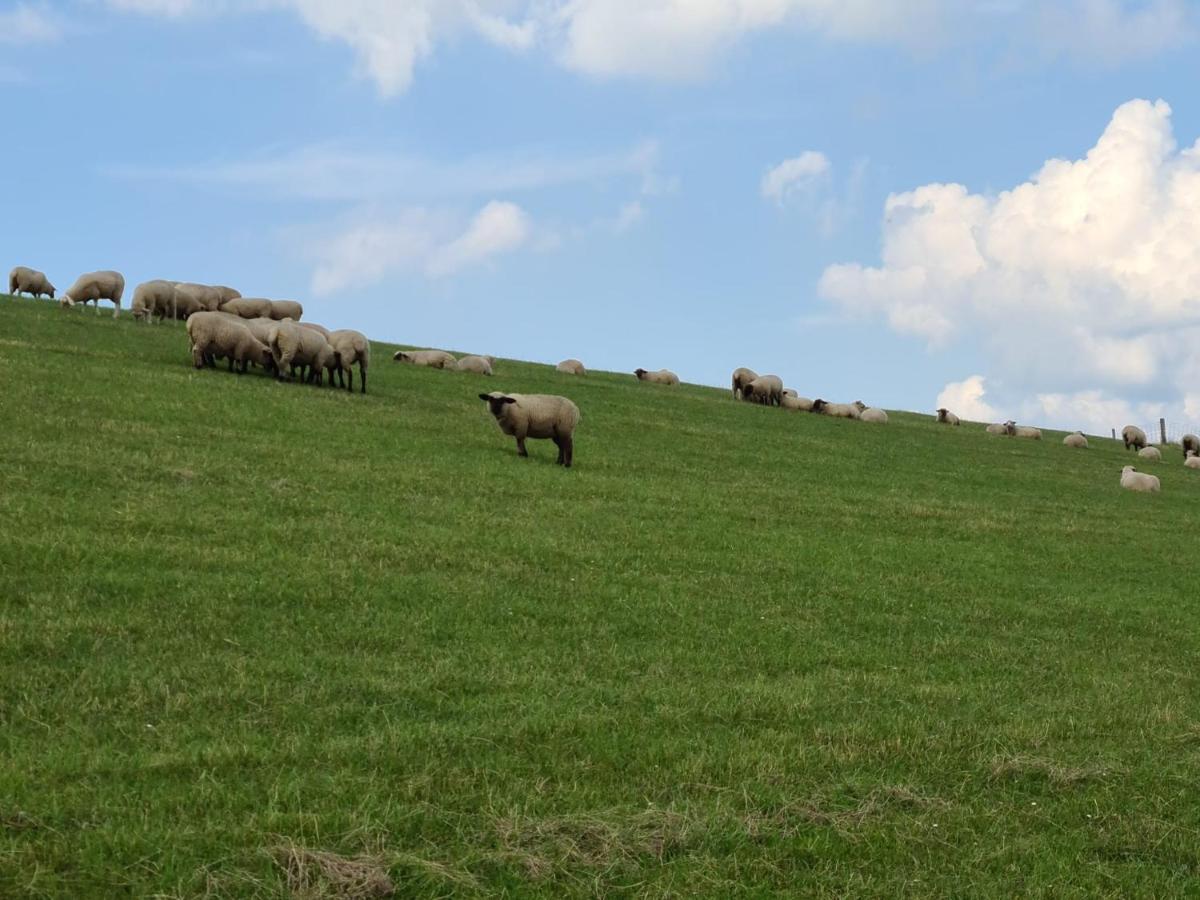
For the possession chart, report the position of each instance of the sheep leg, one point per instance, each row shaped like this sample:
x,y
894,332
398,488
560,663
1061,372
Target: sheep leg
x,y
561,452
521,451
567,450
362,376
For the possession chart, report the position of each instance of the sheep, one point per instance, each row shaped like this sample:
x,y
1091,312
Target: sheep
x,y
766,389
1191,444
1076,440
213,334
741,378
1009,428
790,392
294,348
434,359
1134,437
662,376
1150,453
200,297
477,364
1133,480
1028,431
571,367
1192,460
23,280
351,347
153,298
796,402
871,414
226,294
945,417
94,287
536,416
319,329
837,410
286,309
248,307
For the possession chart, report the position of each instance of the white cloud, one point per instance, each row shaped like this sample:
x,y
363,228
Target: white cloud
x,y
795,175
497,228
1105,31
28,24
965,400
1085,278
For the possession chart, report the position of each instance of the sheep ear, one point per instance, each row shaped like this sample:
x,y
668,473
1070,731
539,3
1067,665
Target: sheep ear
x,y
508,400
485,397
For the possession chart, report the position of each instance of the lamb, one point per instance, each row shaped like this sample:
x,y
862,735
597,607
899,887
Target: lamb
x,y
94,287
1009,428
1191,444
1028,431
796,402
319,329
837,410
571,367
741,379
23,280
1134,437
536,416
477,364
1076,440
1192,460
766,389
213,334
1133,480
153,298
286,309
351,347
248,307
294,348
434,359
662,376
1150,453
945,417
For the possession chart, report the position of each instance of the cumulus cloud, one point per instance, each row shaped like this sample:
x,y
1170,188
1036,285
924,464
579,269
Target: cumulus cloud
x,y
28,24
1082,279
497,228
965,400
795,175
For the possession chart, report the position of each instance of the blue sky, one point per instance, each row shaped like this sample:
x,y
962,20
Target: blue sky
x,y
591,178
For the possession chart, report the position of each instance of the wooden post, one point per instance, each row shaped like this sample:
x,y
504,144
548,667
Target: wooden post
x,y
1114,434
1162,427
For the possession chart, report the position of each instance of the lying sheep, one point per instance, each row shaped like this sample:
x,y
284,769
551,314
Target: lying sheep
x,y
295,348
1133,480
1009,428
837,410
945,417
215,335
1028,431
23,280
1076,440
286,309
434,359
536,416
790,392
662,376
94,287
741,379
1191,444
248,307
796,402
351,347
153,299
766,389
571,367
1150,453
1134,437
477,364
1192,460
870,413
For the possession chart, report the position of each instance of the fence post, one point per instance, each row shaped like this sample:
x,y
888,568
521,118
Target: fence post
x,y
1114,434
1162,427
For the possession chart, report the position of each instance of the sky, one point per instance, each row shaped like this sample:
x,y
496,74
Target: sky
x,y
989,205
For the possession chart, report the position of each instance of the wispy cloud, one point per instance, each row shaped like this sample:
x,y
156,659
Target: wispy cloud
x,y
29,24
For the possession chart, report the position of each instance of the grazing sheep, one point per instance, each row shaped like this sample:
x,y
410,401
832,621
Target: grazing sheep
x,y
215,335
1191,444
1133,480
286,309
536,416
796,402
351,347
226,294
153,299
1134,437
741,380
1076,440
945,417
94,287
662,376
1028,431
1192,461
1150,453
200,297
248,307
766,389
434,359
837,410
23,280
319,329
477,364
294,348
1009,428
571,367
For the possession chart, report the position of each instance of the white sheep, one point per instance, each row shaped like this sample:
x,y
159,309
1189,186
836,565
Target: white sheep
x,y
286,309
1076,440
200,297
1134,437
1009,428
214,335
1192,460
248,307
319,329
766,389
23,280
945,417
796,402
153,299
741,379
870,413
1133,480
479,365
94,287
1151,453
351,347
543,416
294,348
434,359
1028,431
837,410
662,376
571,367
1191,444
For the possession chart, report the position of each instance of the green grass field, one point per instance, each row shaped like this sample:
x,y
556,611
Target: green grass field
x,y
734,652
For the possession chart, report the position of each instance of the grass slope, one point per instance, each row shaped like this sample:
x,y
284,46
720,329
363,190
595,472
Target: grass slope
x,y
734,652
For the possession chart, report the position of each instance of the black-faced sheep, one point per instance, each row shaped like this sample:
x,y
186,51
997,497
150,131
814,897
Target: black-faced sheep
x,y
1134,437
351,347
543,416
662,376
1133,480
945,417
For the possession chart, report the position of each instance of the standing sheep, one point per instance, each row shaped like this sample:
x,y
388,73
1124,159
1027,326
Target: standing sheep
x,y
1134,437
199,297
1151,453
476,364
94,287
1133,480
153,298
837,410
214,335
286,309
248,307
536,416
945,417
766,389
1192,461
23,280
434,359
294,348
741,379
662,376
571,367
351,347
1076,440
1191,444
319,329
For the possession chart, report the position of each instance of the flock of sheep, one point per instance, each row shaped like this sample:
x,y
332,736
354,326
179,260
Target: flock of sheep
x,y
221,324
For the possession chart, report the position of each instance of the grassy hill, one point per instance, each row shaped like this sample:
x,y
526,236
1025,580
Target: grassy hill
x,y
733,652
